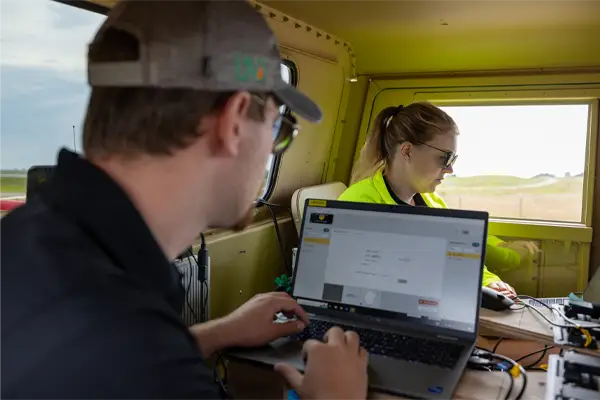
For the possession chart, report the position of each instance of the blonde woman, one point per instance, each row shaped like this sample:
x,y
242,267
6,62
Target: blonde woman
x,y
405,158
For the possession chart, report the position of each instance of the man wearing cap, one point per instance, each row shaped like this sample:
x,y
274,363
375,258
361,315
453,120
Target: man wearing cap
x,y
177,132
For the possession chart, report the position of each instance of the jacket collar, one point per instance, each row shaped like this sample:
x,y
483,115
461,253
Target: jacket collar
x,y
95,202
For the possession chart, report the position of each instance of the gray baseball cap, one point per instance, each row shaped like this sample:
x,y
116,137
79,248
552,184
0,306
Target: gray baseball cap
x,y
194,44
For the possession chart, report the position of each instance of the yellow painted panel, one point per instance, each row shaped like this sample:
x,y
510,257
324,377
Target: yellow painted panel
x,y
246,263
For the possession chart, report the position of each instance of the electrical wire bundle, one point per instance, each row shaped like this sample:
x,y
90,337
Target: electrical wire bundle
x,y
582,326
283,282
201,262
221,380
533,365
486,360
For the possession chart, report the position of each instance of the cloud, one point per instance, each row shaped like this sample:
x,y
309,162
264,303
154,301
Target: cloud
x,y
43,78
46,34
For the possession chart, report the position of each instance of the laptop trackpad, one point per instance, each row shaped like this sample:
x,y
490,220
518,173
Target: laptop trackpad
x,y
280,350
412,379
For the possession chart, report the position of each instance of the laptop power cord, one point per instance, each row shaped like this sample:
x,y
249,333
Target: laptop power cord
x,y
482,359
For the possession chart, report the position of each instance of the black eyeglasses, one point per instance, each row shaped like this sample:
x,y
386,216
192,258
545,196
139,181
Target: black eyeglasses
x,y
449,156
285,128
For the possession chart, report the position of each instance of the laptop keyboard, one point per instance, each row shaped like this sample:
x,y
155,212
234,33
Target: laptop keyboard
x,y
548,301
392,344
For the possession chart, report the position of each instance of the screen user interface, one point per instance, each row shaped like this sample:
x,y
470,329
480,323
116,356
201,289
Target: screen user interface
x,y
417,267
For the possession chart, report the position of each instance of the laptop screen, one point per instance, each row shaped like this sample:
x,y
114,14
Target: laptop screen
x,y
404,266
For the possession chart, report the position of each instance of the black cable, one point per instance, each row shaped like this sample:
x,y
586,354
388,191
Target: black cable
x,y
495,348
288,267
189,285
511,386
480,352
540,358
523,374
202,264
222,381
289,211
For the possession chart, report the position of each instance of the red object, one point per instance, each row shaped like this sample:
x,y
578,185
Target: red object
x,y
8,205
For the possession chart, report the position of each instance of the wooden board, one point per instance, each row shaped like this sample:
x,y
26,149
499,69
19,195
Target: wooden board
x,y
522,324
476,385
247,381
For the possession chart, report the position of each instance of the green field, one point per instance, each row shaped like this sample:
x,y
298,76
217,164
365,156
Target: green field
x,y
547,198
12,185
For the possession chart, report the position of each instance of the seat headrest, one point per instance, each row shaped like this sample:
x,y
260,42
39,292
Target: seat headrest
x,y
326,191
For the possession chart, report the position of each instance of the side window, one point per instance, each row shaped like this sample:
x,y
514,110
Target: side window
x,y
288,73
44,86
520,161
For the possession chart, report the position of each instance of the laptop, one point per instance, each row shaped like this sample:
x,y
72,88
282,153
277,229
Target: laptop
x,y
591,294
406,279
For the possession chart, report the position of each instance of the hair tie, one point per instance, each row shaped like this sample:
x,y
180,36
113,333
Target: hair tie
x,y
390,117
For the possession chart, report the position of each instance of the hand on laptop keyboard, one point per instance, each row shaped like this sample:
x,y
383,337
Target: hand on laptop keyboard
x,y
334,369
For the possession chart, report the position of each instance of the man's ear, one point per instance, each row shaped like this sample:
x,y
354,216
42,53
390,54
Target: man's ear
x,y
229,123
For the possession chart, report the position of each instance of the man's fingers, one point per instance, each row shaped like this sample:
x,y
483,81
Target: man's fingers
x,y
309,346
364,354
352,339
288,304
288,328
290,374
494,286
334,335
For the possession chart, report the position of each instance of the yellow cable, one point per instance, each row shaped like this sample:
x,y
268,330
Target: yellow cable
x,y
515,371
588,337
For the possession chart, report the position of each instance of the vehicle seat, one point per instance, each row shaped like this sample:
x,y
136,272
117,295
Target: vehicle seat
x,y
326,191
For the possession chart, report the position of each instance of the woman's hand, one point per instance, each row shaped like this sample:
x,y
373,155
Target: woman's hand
x,y
503,288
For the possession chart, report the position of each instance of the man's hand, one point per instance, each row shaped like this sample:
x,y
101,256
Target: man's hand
x,y
503,288
250,325
335,368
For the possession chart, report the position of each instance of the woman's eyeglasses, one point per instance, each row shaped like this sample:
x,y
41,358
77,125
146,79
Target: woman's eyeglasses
x,y
449,156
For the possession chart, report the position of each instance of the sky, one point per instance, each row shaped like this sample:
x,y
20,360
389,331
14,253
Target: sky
x,y
44,94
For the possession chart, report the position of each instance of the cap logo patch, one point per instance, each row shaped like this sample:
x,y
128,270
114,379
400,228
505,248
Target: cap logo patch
x,y
250,68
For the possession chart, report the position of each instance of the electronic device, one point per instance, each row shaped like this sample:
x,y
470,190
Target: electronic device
x,y
591,294
573,376
494,300
37,177
587,317
406,279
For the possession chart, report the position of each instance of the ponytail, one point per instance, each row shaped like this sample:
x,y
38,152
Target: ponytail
x,y
375,152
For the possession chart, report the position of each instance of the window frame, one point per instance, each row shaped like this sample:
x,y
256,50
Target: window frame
x,y
489,88
86,5
535,98
276,160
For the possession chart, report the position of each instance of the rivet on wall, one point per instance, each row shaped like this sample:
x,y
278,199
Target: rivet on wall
x,y
273,15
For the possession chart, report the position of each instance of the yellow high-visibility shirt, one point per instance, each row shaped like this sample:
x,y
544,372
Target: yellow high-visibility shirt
x,y
373,190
